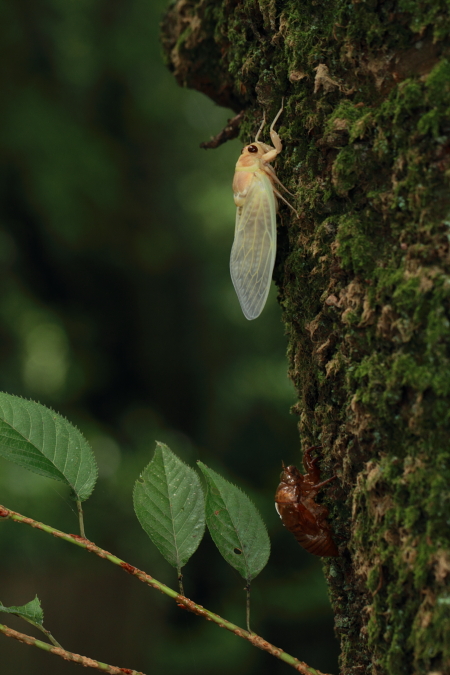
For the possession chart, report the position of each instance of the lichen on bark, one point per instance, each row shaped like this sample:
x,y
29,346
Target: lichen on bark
x,y
364,282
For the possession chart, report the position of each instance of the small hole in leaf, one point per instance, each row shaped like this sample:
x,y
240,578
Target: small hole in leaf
x,y
237,551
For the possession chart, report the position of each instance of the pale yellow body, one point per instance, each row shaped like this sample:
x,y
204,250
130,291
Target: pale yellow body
x,y
254,247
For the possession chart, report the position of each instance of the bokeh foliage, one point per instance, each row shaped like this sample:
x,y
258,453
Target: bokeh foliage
x,y
116,309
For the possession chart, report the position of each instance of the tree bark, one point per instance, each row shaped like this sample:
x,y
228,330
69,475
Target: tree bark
x,y
363,280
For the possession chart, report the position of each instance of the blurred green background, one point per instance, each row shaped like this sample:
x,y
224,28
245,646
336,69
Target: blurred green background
x,y
116,309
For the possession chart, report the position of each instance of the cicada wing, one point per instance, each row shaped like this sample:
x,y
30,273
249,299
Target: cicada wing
x,y
254,246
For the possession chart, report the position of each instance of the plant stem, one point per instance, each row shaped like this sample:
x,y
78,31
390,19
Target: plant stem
x,y
254,639
80,518
67,656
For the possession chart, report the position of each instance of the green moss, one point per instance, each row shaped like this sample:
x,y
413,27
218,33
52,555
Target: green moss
x,y
356,248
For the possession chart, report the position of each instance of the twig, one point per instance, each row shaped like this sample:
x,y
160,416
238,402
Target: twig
x,y
64,654
181,600
231,131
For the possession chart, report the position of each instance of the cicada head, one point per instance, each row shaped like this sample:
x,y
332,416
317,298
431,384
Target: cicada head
x,y
255,149
290,475
290,486
250,156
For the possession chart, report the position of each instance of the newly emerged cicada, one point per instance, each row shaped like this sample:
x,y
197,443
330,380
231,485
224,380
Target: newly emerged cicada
x,y
255,237
298,510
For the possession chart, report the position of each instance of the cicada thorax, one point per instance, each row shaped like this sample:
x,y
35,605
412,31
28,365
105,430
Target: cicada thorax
x,y
250,163
300,514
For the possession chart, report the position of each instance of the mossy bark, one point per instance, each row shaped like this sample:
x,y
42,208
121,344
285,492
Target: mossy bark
x,y
364,282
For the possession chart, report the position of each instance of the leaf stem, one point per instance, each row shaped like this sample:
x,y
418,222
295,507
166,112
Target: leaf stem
x,y
180,581
80,518
247,606
191,606
43,630
63,653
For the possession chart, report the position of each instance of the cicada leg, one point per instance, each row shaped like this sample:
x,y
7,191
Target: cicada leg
x,y
324,482
309,463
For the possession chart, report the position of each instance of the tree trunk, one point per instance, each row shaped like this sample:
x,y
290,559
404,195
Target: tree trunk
x,y
363,281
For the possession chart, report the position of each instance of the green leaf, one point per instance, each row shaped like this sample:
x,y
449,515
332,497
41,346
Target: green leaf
x,y
38,439
168,501
32,611
235,525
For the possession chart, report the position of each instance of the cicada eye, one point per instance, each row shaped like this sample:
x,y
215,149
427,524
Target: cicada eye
x,y
252,148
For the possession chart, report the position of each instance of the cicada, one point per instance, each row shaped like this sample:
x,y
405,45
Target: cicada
x,y
255,237
294,501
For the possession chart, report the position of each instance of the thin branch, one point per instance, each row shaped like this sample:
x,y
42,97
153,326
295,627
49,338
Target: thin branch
x,y
254,639
64,654
231,131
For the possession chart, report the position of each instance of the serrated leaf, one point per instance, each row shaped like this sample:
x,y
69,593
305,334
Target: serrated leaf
x,y
41,440
235,525
32,611
169,503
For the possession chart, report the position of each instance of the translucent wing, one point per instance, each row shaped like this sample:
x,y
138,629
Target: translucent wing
x,y
254,246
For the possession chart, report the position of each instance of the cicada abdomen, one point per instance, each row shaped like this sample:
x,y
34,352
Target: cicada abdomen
x,y
299,513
